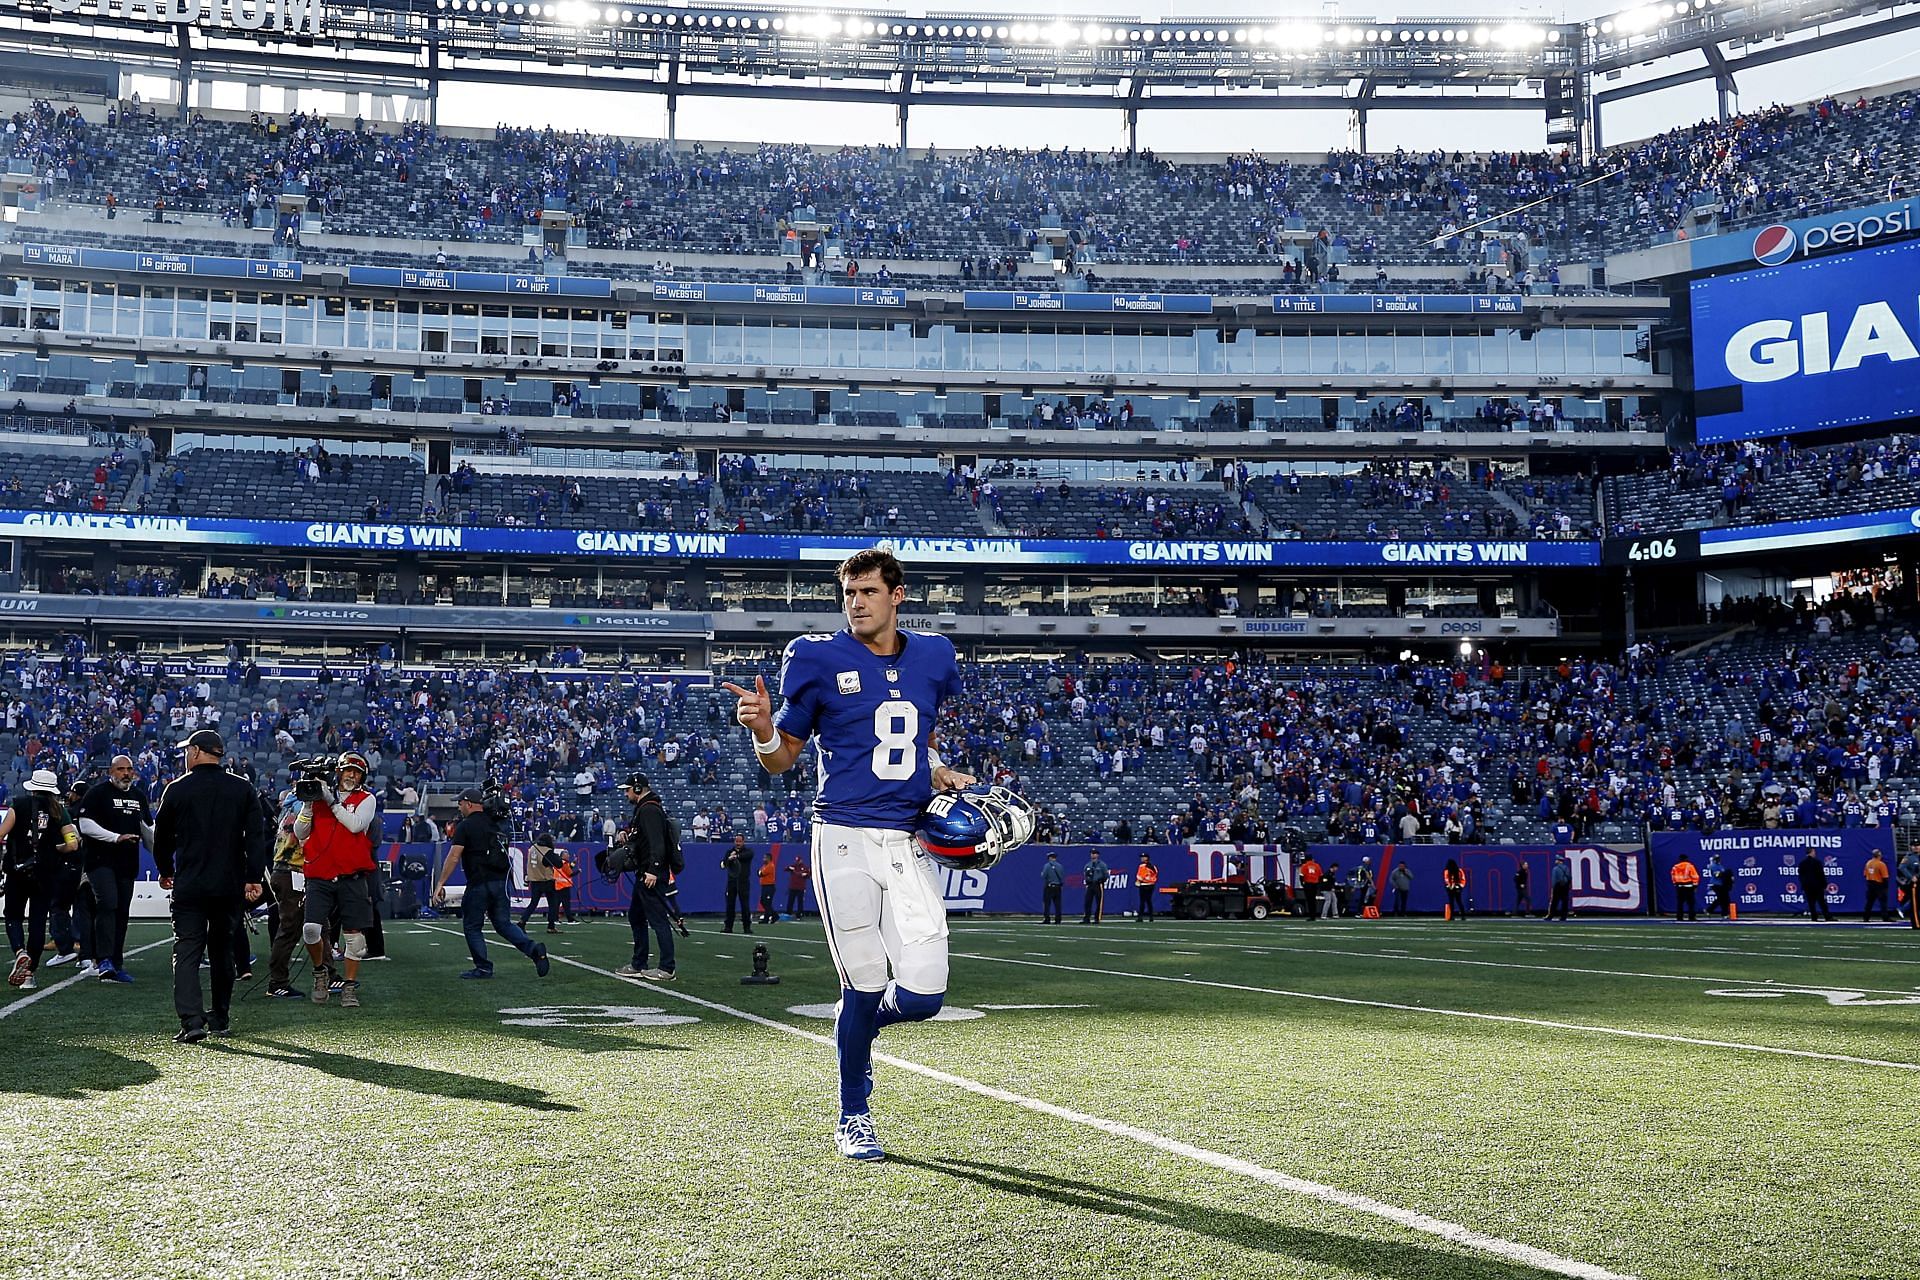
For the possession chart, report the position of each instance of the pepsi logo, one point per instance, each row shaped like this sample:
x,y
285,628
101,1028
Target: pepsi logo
x,y
1774,245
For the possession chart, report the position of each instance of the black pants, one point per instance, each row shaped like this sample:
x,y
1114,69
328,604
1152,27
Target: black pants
x,y
1093,907
796,900
1310,900
1050,895
26,913
107,901
1399,902
203,927
539,889
1877,892
1816,896
737,896
1561,903
1146,903
766,904
566,903
1684,907
649,909
290,917
1457,899
63,921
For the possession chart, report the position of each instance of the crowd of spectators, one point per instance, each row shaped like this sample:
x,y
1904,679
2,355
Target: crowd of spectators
x,y
991,206
1807,722
1761,481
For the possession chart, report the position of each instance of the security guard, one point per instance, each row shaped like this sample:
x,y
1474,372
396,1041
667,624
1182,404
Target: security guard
x,y
1093,908
1147,878
737,862
1053,878
1686,886
209,845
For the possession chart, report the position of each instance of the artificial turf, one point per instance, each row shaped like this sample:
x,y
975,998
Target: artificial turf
x,y
433,1133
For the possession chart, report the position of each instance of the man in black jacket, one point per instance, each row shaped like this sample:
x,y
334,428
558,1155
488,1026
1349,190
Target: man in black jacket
x,y
649,825
738,864
480,847
209,843
1813,886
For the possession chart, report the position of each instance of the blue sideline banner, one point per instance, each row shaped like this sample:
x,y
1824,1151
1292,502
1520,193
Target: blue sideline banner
x,y
1405,304
1766,864
1011,888
1606,878
496,540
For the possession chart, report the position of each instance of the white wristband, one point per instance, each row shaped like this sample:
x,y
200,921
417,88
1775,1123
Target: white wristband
x,y
768,747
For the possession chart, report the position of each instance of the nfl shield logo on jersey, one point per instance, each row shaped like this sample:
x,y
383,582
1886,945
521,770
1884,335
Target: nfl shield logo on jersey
x,y
849,681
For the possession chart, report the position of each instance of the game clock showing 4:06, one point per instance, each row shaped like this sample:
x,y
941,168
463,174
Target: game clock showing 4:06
x,y
1654,549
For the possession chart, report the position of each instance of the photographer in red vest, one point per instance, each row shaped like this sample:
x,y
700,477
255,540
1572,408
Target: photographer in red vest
x,y
337,826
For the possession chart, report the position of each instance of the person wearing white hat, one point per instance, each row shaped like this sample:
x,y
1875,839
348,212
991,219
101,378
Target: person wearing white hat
x,y
41,843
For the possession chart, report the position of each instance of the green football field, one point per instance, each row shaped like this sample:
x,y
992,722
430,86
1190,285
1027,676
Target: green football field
x,y
1503,1099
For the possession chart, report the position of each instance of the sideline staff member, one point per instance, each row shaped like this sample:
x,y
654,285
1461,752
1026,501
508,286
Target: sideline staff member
x,y
209,845
477,842
115,819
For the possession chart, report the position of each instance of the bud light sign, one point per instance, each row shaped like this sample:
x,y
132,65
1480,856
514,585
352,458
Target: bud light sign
x,y
1810,345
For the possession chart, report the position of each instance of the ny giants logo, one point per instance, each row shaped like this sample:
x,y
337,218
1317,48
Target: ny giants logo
x,y
1606,880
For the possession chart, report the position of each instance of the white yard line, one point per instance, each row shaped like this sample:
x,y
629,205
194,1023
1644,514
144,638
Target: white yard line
x,y
1412,1220
1435,1011
1406,957
1532,937
17,1005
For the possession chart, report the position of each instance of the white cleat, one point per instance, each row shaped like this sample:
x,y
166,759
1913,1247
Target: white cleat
x,y
856,1139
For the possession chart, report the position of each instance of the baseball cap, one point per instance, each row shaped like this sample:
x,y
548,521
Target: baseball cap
x,y
638,781
207,740
474,795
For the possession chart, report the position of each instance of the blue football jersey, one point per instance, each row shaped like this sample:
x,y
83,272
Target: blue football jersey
x,y
872,718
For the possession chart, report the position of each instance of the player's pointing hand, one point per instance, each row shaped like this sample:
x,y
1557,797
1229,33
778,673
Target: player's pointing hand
x,y
753,710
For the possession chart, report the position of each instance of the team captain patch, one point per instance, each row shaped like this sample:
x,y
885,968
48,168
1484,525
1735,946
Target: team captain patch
x,y
849,682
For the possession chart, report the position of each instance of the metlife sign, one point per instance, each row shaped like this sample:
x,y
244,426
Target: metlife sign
x,y
1808,345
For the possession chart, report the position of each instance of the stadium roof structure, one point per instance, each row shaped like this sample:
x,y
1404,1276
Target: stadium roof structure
x,y
956,59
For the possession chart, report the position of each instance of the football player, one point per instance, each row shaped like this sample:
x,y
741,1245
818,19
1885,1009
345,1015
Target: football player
x,y
868,696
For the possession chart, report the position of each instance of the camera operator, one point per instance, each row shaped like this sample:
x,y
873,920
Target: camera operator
x,y
208,842
658,842
481,845
115,818
38,855
336,829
